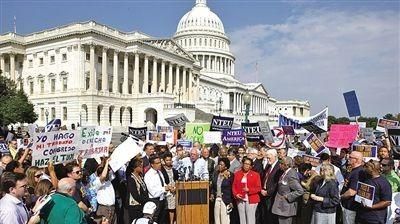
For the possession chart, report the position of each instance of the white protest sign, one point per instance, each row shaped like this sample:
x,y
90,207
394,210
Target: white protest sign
x,y
95,141
57,146
295,152
123,153
212,137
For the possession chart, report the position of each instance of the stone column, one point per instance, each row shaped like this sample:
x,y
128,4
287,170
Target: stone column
x,y
81,67
234,103
115,73
203,61
184,90
136,75
104,78
215,64
190,86
197,87
232,68
177,78
169,88
154,80
2,64
12,66
209,63
145,88
125,84
162,87
92,85
115,117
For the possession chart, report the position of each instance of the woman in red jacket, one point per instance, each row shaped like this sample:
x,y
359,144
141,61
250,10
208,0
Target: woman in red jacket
x,y
246,186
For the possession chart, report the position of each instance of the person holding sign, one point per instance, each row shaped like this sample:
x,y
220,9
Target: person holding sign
x,y
326,197
381,196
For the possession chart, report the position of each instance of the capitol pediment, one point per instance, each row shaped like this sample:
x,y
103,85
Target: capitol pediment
x,y
169,45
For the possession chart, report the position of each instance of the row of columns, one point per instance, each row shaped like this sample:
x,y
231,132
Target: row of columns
x,y
258,105
169,86
11,63
100,115
216,63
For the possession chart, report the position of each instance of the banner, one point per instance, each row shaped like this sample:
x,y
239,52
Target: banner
x,y
139,133
123,153
341,135
314,161
385,123
365,194
195,131
219,123
310,127
58,147
314,142
186,144
253,131
320,120
233,137
169,133
266,131
367,134
288,130
156,137
94,142
212,137
177,120
368,151
352,105
4,148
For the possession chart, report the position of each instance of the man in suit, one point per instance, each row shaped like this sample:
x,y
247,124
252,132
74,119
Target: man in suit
x,y
289,189
148,150
257,163
235,165
269,185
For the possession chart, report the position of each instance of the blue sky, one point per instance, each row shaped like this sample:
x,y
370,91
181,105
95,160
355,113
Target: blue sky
x,y
313,50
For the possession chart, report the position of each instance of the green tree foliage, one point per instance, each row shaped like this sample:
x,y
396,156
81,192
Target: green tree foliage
x,y
14,104
392,117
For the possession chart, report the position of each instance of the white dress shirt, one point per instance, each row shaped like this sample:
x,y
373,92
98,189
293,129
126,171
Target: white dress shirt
x,y
154,185
200,168
105,192
12,210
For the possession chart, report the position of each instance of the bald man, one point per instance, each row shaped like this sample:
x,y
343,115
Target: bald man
x,y
195,168
63,208
349,189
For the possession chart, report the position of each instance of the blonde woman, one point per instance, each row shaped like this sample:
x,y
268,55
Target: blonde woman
x,y
326,197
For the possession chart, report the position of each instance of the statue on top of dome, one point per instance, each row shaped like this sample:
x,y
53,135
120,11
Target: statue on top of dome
x,y
201,2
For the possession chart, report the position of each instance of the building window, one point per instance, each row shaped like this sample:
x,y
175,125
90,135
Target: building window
x,y
110,61
42,114
100,60
53,85
31,87
87,57
30,63
301,112
53,113
21,64
99,86
64,57
65,115
40,61
52,59
87,83
121,65
41,86
65,84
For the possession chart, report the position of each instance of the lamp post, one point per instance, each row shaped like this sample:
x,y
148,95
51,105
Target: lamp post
x,y
246,101
80,119
220,105
179,93
47,116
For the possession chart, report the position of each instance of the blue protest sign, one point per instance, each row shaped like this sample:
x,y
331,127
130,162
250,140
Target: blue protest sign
x,y
352,104
233,137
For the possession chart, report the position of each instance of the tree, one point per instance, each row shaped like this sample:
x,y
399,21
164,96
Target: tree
x,y
14,104
392,117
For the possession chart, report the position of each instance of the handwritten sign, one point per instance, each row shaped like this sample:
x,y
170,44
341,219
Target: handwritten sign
x,y
314,161
385,123
95,141
219,123
59,147
233,137
195,131
341,135
314,142
368,151
365,194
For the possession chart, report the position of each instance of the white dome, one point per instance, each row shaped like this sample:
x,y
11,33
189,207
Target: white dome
x,y
200,18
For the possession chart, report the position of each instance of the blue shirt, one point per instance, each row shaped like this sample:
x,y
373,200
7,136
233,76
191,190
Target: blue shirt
x,y
12,210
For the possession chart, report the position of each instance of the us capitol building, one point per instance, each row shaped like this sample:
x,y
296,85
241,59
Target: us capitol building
x,y
93,74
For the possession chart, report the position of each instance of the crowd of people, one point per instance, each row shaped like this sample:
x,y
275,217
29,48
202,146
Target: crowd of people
x,y
248,185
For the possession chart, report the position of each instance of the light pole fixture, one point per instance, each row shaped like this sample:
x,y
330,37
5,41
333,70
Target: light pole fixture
x,y
179,93
220,105
47,116
246,101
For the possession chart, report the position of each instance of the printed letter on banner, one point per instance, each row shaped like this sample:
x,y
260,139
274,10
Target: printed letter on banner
x,y
177,120
219,123
57,146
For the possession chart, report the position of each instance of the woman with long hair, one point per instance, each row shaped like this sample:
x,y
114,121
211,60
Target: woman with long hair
x,y
326,197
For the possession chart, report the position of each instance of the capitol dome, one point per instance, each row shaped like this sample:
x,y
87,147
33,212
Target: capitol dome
x,y
200,18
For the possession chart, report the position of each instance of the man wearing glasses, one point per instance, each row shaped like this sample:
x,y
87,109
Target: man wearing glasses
x,y
349,189
74,171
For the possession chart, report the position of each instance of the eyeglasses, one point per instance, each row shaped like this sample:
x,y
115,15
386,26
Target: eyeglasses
x,y
77,172
38,175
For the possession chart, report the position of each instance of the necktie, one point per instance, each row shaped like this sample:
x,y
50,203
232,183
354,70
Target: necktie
x,y
161,179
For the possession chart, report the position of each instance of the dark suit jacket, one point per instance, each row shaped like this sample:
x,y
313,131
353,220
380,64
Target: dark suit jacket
x,y
330,192
258,167
273,179
140,196
226,188
210,167
166,178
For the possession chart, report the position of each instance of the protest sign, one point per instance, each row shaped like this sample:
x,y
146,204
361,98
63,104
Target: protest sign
x,y
266,131
233,137
385,123
4,148
186,144
23,143
279,138
123,153
368,151
320,120
95,141
352,105
253,131
365,194
309,126
341,135
195,131
156,137
32,129
139,133
295,152
58,147
394,138
314,142
314,161
9,137
360,124
288,130
367,134
177,120
219,123
212,137
169,133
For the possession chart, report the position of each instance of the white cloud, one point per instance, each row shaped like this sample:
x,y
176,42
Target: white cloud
x,y
320,54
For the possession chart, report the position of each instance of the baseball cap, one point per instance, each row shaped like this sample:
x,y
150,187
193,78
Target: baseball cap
x,y
149,208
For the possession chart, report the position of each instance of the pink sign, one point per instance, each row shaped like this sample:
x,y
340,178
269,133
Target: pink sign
x,y
341,135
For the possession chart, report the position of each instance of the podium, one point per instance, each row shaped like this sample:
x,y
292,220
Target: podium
x,y
192,201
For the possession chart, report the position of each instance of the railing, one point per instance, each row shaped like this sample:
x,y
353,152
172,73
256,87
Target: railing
x,y
179,105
